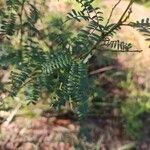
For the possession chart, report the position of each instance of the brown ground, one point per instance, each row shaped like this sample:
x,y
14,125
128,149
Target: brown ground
x,y
60,134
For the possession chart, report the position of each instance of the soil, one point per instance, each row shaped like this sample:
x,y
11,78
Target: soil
x,y
61,134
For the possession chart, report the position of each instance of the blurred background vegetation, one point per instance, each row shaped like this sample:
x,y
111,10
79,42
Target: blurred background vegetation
x,y
121,92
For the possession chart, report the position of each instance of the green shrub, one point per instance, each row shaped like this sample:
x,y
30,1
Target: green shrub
x,y
55,57
134,107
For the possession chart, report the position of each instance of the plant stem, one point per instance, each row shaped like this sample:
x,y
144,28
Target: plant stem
x,y
119,23
104,35
21,23
112,12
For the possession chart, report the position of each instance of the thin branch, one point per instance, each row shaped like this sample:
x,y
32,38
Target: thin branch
x,y
112,12
12,115
128,7
102,70
112,50
128,16
118,24
128,146
21,22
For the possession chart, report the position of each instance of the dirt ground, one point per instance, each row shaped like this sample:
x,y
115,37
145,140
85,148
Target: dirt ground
x,y
60,134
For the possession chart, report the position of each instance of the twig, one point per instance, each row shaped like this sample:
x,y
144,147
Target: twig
x,y
128,7
115,26
112,12
125,51
11,116
127,146
21,22
102,70
104,35
128,16
99,143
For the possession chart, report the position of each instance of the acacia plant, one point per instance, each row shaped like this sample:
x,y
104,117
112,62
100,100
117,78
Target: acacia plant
x,y
54,57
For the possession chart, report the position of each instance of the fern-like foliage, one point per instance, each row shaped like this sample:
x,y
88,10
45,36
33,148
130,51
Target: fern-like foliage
x,y
88,12
143,26
56,57
56,62
33,92
77,86
117,45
